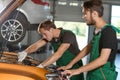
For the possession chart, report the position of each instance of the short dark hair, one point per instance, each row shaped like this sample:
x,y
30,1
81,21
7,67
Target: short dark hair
x,y
94,5
47,24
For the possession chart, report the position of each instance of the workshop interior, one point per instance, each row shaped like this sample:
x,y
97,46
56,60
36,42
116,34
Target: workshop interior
x,y
19,21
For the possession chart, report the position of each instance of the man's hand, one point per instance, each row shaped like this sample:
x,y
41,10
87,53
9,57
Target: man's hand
x,y
21,56
70,73
64,67
40,66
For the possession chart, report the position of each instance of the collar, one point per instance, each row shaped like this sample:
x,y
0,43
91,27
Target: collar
x,y
60,35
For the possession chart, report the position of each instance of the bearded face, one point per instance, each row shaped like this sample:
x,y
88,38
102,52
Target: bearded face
x,y
88,17
91,21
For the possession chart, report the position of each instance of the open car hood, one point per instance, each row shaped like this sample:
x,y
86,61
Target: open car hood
x,y
14,71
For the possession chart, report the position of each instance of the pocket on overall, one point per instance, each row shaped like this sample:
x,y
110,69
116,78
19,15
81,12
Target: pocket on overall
x,y
94,75
110,74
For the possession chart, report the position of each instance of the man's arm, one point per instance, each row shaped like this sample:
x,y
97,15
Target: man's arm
x,y
100,61
83,53
35,46
22,55
55,56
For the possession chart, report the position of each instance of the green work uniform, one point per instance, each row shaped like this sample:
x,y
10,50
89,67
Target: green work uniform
x,y
105,72
66,58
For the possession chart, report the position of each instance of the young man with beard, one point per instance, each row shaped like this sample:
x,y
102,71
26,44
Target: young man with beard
x,y
64,44
102,48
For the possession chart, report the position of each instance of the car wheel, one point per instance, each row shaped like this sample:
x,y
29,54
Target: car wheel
x,y
13,29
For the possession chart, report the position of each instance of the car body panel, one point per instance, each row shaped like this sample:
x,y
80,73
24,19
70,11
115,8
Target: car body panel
x,y
20,72
11,69
35,12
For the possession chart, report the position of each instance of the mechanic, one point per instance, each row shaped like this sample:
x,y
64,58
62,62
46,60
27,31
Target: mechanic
x,y
64,44
102,48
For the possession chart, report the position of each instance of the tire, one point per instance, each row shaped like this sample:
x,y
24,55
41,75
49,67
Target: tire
x,y
13,29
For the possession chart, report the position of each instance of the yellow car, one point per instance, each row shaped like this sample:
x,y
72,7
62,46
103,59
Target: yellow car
x,y
10,69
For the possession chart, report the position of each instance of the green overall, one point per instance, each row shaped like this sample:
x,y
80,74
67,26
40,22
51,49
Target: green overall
x,y
106,72
66,58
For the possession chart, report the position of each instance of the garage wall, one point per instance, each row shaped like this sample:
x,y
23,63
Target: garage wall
x,y
73,13
67,12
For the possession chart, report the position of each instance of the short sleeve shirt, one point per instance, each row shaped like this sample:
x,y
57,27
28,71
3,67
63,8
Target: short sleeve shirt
x,y
70,38
109,40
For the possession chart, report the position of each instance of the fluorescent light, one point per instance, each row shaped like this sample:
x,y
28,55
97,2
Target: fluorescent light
x,y
73,4
62,3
